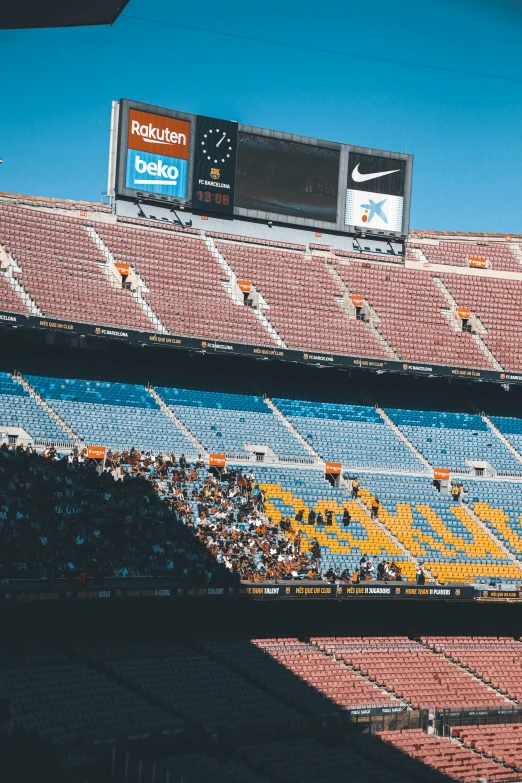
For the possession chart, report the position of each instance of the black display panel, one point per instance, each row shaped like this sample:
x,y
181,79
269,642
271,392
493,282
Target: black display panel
x,y
287,177
214,165
377,174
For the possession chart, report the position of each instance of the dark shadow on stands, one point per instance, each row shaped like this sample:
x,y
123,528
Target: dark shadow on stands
x,y
121,524
236,621
30,353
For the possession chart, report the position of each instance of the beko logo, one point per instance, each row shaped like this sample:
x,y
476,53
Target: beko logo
x,y
358,177
153,135
162,172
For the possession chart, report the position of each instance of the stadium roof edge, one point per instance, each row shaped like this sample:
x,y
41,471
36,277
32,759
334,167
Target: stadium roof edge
x,y
31,14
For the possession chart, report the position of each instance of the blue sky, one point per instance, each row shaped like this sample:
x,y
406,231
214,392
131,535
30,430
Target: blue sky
x,y
465,131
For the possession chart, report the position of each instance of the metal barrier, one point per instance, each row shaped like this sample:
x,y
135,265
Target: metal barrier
x,y
447,718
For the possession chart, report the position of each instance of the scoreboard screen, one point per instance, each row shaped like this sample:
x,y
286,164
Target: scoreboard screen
x,y
216,166
287,177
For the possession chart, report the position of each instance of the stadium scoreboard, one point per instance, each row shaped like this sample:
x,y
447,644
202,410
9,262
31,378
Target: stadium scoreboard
x,y
217,166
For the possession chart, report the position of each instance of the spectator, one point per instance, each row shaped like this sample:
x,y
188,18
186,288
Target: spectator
x,y
329,518
260,500
316,553
456,492
346,518
311,517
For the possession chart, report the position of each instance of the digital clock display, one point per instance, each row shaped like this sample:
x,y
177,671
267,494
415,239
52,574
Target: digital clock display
x,y
209,197
214,165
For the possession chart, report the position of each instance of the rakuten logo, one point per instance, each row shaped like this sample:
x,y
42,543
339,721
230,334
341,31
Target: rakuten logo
x,y
154,135
163,173
148,132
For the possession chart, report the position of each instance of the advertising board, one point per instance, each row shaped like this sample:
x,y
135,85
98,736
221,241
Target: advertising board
x,y
375,192
217,166
157,154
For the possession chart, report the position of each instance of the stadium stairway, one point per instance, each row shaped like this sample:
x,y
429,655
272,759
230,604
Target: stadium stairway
x,y
234,291
483,674
136,286
341,685
500,742
360,758
454,440
204,691
382,413
453,545
411,672
493,533
512,426
495,661
354,435
263,670
475,335
45,405
90,656
185,282
406,553
188,288
449,757
177,421
13,296
347,306
194,768
70,703
229,423
295,432
115,415
289,490
497,505
19,408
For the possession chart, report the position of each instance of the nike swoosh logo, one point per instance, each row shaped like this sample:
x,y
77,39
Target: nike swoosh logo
x,y
358,177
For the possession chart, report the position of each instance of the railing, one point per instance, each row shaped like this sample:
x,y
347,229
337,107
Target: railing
x,y
445,719
58,444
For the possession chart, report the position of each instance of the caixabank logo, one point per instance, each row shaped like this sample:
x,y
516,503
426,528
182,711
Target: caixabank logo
x,y
157,154
378,205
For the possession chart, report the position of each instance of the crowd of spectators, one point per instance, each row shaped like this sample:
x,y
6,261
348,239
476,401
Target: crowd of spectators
x,y
138,515
230,521
65,516
135,515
